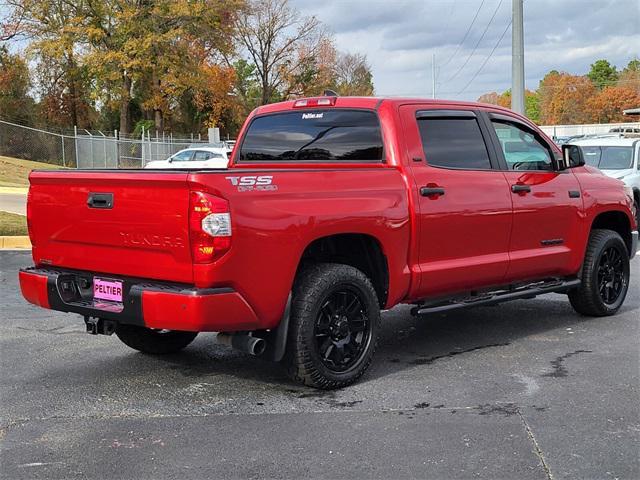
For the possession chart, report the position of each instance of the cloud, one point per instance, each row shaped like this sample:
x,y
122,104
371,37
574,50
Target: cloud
x,y
400,37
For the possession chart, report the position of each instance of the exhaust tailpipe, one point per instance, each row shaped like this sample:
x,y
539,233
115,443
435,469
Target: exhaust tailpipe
x,y
242,342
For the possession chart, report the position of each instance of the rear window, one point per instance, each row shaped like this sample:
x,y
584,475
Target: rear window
x,y
314,135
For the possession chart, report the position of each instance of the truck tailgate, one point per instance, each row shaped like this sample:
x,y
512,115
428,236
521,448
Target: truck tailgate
x,y
145,231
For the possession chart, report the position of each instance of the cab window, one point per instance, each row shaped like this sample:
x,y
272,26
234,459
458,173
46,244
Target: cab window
x,y
454,142
521,149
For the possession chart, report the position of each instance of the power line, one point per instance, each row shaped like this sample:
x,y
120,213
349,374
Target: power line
x,y
568,86
465,35
477,43
486,59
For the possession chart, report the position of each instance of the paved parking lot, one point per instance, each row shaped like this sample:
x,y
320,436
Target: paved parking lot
x,y
522,390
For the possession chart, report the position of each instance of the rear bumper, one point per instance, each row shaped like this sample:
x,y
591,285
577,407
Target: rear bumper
x,y
145,303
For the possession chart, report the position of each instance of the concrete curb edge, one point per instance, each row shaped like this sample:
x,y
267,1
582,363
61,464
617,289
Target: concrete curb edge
x,y
14,242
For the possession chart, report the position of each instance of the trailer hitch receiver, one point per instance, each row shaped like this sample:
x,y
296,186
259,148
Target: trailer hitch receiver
x,y
99,326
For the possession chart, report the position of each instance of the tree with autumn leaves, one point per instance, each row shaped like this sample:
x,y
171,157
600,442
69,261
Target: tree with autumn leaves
x,y
600,96
14,86
173,64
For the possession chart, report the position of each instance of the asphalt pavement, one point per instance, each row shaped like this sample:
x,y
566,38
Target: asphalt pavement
x,y
525,390
13,203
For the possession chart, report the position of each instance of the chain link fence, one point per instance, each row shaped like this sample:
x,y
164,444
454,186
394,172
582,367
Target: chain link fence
x,y
85,149
28,143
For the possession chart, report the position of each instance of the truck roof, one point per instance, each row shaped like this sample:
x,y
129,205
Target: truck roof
x,y
373,103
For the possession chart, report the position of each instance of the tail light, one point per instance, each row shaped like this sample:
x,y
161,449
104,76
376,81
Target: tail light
x,y
209,227
30,218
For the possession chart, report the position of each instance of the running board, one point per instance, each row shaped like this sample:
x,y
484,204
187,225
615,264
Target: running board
x,y
530,290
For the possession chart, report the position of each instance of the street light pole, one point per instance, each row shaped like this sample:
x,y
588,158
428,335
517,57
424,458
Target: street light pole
x,y
517,58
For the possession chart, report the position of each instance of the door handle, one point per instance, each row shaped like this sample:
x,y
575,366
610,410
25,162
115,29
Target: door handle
x,y
431,191
100,200
517,188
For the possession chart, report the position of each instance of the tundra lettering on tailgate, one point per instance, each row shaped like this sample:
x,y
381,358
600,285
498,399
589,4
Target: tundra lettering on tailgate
x,y
248,183
141,239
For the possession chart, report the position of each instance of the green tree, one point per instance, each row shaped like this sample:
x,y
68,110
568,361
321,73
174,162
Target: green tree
x,y
632,66
156,50
15,103
247,85
603,74
531,102
532,106
52,26
630,76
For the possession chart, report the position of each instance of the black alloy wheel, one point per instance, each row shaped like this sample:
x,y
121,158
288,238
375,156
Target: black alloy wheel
x,y
342,330
611,275
604,275
334,325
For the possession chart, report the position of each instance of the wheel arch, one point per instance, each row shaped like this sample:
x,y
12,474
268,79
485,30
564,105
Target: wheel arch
x,y
359,250
616,221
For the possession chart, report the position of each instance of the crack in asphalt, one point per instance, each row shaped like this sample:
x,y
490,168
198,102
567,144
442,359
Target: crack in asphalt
x,y
430,360
559,370
506,409
537,450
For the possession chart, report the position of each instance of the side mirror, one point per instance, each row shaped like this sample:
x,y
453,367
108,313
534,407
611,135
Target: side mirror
x,y
572,155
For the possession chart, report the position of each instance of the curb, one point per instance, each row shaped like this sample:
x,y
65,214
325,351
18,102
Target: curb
x,y
13,242
15,190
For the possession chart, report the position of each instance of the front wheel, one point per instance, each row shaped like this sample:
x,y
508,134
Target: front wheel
x,y
335,318
605,276
157,342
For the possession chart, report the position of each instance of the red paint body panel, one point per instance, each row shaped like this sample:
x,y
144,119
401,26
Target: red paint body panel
x,y
478,234
198,313
546,213
272,229
463,240
144,234
34,289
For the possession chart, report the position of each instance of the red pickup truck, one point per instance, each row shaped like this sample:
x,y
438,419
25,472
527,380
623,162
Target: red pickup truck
x,y
332,209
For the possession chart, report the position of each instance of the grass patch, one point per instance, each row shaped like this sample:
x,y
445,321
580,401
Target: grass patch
x,y
15,172
12,224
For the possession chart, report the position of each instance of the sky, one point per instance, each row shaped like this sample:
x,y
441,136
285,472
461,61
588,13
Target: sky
x,y
400,37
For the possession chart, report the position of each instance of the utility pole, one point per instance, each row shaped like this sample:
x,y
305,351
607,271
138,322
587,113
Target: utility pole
x,y
517,58
433,75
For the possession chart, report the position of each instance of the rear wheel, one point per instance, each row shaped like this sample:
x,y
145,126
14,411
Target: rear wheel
x,y
605,276
334,325
149,340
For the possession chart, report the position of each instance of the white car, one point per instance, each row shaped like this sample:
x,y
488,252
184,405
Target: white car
x,y
230,144
616,157
194,157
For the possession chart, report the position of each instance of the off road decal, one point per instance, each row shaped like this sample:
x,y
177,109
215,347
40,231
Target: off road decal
x,y
249,183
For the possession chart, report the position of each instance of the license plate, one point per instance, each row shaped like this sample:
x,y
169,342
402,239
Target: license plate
x,y
110,290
